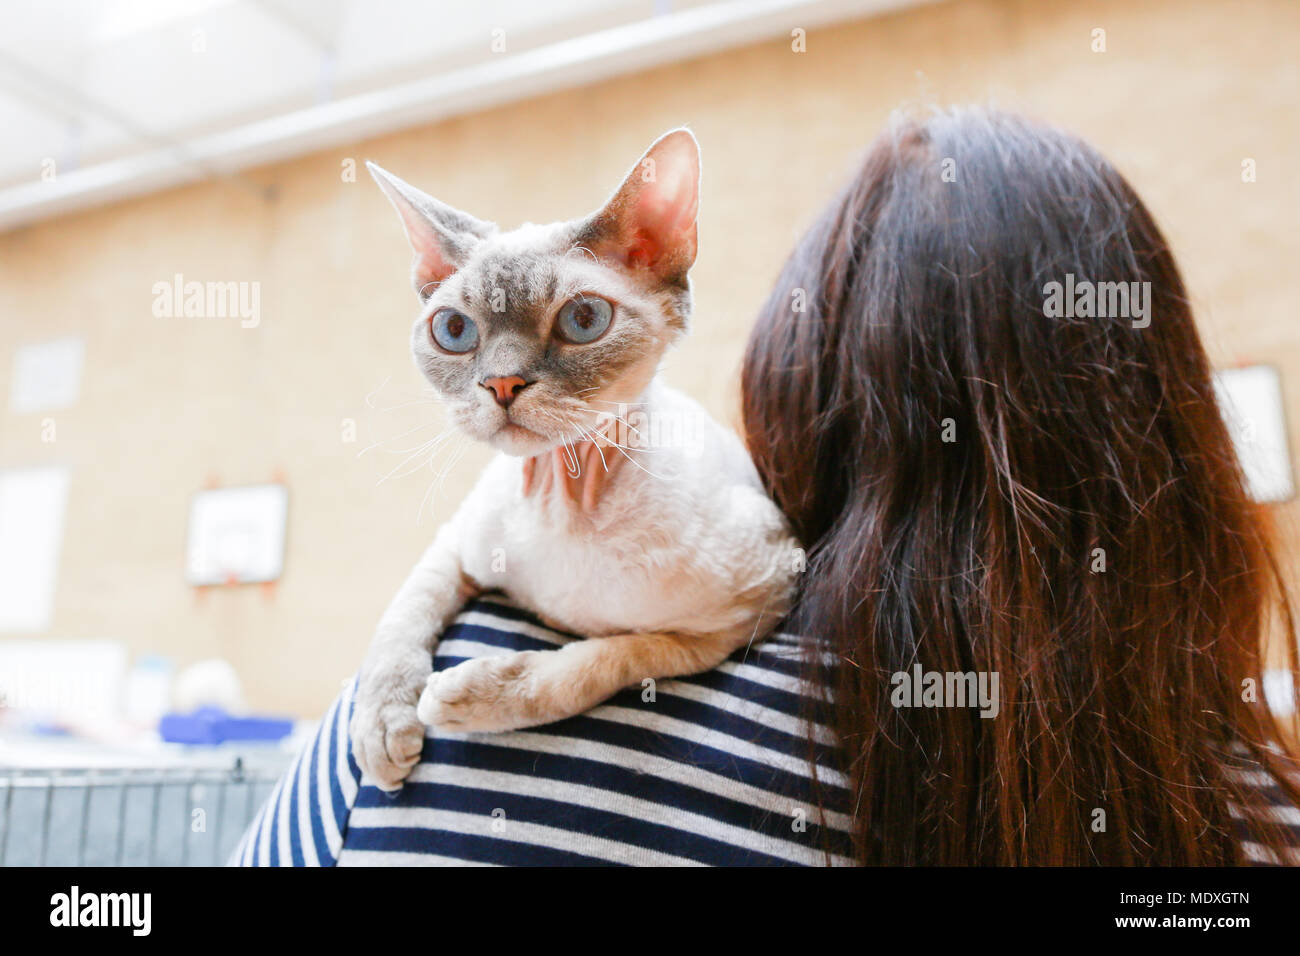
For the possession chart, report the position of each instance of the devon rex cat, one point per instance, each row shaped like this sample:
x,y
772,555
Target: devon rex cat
x,y
544,342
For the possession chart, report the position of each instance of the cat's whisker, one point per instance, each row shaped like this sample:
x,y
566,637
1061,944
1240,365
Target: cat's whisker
x,y
440,477
564,426
573,423
593,439
647,448
414,450
632,428
431,446
629,449
624,453
457,454
435,483
597,411
758,621
422,400
571,461
398,471
623,450
635,430
419,512
427,393
458,451
571,464
370,399
567,425
383,441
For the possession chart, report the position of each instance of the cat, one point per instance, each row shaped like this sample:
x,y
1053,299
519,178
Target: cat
x,y
616,507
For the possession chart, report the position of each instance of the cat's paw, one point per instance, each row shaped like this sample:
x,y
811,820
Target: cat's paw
x,y
387,735
387,741
485,694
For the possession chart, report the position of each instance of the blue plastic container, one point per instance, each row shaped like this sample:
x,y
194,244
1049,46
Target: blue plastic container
x,y
212,725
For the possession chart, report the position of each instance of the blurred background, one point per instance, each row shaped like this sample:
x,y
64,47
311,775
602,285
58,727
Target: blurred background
x,y
212,477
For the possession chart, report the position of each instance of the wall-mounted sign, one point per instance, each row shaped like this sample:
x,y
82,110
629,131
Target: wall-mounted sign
x,y
32,503
1251,401
237,535
46,376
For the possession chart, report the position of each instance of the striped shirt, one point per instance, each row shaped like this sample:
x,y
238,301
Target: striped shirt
x,y
713,769
709,769
1275,812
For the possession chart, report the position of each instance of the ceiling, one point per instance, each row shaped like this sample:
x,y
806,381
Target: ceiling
x,y
102,99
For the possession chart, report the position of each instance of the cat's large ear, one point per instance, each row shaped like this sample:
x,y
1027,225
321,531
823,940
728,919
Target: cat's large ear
x,y
649,223
442,237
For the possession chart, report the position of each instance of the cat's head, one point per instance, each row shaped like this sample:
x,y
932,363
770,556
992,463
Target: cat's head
x,y
535,336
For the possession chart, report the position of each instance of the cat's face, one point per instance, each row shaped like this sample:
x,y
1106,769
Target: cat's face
x,y
535,337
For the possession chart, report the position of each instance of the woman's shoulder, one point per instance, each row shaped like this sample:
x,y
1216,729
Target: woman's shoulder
x,y
1268,808
714,768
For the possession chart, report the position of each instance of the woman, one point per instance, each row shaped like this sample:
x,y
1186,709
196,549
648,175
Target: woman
x,y
1037,590
996,488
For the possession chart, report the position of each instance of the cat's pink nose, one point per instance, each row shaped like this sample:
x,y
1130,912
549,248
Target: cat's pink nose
x,y
505,389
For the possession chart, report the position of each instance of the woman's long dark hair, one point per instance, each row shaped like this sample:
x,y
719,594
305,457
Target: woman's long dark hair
x,y
988,486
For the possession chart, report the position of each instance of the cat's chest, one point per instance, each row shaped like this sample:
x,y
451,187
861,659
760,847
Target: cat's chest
x,y
595,577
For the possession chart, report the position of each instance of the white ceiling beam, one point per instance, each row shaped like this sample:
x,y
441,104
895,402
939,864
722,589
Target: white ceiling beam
x,y
315,35
73,106
503,78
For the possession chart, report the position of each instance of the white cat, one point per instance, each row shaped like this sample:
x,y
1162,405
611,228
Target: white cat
x,y
617,509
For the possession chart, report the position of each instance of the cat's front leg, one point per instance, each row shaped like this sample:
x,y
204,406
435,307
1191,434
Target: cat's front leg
x,y
387,735
529,688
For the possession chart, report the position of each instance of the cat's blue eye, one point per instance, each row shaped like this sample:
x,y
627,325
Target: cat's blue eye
x,y
453,331
583,319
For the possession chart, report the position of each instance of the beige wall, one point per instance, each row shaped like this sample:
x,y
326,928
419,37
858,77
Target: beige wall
x,y
1187,89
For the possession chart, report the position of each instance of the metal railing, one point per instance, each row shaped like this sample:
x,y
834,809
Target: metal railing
x,y
128,816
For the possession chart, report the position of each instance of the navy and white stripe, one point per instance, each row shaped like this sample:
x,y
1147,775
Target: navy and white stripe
x,y
715,769
1275,811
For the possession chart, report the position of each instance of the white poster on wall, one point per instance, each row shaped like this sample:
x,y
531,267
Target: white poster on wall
x,y
32,505
237,535
1251,401
46,376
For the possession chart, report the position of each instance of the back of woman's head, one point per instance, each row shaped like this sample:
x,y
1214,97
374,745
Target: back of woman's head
x,y
979,394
